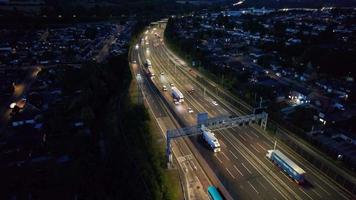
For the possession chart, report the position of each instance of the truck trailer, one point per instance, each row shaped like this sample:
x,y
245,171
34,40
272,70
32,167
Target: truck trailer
x,y
287,165
210,139
177,95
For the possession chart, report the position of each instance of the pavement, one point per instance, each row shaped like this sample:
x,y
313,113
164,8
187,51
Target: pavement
x,y
241,167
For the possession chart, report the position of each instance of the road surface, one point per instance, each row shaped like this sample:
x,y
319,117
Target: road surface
x,y
241,166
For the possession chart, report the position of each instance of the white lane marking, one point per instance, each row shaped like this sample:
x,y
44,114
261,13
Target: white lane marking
x,y
222,143
242,137
264,187
317,193
218,158
233,154
237,169
305,193
266,143
249,136
258,144
230,173
246,168
252,187
227,158
321,188
284,174
254,148
253,133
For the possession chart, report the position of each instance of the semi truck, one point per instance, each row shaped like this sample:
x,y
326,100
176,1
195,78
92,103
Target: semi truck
x,y
287,165
210,138
177,95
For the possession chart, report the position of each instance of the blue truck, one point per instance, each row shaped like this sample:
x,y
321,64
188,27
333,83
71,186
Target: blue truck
x,y
288,166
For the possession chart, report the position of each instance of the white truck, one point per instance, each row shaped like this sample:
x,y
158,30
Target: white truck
x,y
210,138
177,95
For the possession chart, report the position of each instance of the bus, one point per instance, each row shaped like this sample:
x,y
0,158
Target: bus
x,y
214,194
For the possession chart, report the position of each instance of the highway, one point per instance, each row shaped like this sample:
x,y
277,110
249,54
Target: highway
x,y
241,166
194,178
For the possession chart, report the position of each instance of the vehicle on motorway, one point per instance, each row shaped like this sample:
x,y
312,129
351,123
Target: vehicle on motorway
x,y
210,138
189,88
177,95
164,88
215,103
287,165
150,72
148,63
190,110
214,194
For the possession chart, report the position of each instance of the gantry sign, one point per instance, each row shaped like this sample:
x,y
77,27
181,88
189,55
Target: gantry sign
x,y
214,124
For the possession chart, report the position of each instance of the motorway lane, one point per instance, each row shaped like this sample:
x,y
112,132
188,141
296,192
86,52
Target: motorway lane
x,y
195,178
183,109
227,170
313,195
249,184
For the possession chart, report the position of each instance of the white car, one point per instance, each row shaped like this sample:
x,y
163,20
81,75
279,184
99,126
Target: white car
x,y
190,110
171,84
215,103
162,73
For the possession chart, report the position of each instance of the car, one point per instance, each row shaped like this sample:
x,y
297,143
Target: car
x,y
134,61
171,84
164,88
214,103
190,110
162,73
176,102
